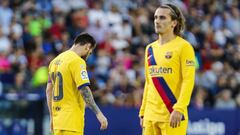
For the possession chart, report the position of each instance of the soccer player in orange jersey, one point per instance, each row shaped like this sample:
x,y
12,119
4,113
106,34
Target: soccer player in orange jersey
x,y
169,71
68,88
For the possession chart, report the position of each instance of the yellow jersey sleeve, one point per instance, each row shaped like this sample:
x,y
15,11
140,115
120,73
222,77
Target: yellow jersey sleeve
x,y
142,109
79,73
187,59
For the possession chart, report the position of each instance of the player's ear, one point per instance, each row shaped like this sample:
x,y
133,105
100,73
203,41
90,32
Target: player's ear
x,y
87,46
174,23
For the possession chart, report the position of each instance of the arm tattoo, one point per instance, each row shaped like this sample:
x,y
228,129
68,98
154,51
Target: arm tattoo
x,y
88,98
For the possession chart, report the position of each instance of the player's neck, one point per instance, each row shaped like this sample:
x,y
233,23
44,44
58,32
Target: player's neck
x,y
164,38
76,50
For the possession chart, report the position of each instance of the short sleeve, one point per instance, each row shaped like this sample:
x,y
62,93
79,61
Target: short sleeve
x,y
79,73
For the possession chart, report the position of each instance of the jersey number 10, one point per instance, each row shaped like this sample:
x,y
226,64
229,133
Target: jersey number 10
x,y
59,90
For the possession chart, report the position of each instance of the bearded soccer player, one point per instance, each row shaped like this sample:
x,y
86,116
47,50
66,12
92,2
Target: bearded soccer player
x,y
68,88
170,71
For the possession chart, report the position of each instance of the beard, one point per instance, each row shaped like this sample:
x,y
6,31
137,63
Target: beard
x,y
85,57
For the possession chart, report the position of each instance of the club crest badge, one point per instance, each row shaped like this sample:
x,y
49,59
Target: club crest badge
x,y
168,55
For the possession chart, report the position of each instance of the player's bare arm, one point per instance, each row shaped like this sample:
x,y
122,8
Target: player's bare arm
x,y
49,102
88,98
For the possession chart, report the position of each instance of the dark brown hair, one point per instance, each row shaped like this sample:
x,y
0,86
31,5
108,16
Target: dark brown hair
x,y
84,38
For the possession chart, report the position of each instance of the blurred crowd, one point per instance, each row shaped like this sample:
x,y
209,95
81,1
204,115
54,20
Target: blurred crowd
x,y
33,32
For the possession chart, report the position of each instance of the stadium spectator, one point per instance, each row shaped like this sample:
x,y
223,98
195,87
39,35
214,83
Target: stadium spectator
x,y
224,100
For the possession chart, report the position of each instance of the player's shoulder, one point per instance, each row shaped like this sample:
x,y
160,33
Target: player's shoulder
x,y
75,59
67,57
58,57
183,42
81,60
70,56
184,46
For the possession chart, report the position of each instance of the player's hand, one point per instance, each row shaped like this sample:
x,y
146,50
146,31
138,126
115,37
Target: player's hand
x,y
103,121
175,119
141,122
